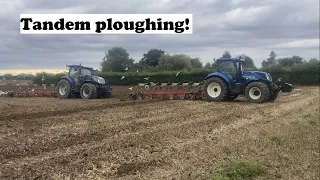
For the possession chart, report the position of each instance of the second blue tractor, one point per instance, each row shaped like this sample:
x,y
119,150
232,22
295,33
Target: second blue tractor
x,y
230,80
81,82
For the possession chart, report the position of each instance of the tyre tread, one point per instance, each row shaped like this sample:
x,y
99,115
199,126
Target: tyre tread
x,y
69,91
224,89
265,93
93,91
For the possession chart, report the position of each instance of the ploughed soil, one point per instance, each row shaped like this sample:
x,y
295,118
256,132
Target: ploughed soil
x,y
50,138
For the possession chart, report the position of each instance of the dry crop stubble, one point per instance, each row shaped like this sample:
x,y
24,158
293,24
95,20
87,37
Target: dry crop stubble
x,y
156,140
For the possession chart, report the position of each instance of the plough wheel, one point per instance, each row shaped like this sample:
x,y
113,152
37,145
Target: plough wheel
x,y
132,96
170,96
147,97
181,96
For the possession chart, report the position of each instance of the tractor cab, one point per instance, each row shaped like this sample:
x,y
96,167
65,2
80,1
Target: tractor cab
x,y
80,73
232,67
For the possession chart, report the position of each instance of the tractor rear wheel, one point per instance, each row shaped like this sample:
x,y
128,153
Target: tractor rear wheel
x,y
215,89
257,92
63,89
88,91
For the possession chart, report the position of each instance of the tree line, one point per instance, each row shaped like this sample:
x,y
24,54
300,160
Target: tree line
x,y
161,66
117,59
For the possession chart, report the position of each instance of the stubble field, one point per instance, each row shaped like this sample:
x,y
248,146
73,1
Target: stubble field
x,y
48,138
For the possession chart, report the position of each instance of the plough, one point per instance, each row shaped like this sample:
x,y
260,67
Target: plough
x,y
168,90
36,91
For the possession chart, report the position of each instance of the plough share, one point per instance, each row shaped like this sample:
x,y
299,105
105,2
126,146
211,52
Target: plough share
x,y
36,91
168,91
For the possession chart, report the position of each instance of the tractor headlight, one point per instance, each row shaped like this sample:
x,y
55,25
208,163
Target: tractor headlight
x,y
100,80
269,77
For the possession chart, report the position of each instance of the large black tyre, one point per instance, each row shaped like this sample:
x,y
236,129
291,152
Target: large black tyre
x,y
257,92
215,89
63,89
88,91
273,96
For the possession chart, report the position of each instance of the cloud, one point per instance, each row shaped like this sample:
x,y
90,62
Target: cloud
x,y
241,26
305,43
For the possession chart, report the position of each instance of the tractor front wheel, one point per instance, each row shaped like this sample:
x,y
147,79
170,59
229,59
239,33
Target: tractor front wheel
x,y
88,91
215,89
63,89
257,92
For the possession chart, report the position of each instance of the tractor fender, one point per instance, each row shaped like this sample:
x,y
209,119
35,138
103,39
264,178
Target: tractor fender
x,y
70,79
89,81
220,75
256,80
268,83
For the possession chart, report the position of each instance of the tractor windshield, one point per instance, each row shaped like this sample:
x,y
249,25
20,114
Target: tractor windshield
x,y
85,72
227,67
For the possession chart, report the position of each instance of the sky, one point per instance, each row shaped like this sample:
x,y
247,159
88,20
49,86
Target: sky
x,y
288,27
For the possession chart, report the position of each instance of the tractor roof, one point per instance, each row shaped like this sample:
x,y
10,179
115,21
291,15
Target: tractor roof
x,y
82,67
230,59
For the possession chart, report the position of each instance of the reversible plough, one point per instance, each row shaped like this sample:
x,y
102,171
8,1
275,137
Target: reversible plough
x,y
168,91
35,90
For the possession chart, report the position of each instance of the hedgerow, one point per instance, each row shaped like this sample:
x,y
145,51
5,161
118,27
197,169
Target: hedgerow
x,y
299,74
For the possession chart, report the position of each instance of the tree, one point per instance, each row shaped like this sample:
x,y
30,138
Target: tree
x,y
207,65
226,54
272,55
175,62
21,76
196,63
248,62
313,60
8,76
117,59
151,58
271,60
290,61
29,76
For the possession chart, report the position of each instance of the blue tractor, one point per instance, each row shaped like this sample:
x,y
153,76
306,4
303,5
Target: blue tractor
x,y
81,82
231,80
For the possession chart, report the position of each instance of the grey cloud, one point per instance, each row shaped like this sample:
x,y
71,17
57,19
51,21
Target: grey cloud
x,y
238,25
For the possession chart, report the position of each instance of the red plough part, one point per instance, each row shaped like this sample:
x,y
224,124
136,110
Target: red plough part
x,y
168,91
33,92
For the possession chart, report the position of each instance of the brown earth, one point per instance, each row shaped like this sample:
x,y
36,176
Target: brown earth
x,y
48,138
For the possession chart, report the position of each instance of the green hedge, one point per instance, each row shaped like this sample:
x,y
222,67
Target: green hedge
x,y
133,78
299,74
302,74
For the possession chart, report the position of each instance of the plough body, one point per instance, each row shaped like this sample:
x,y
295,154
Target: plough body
x,y
168,91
